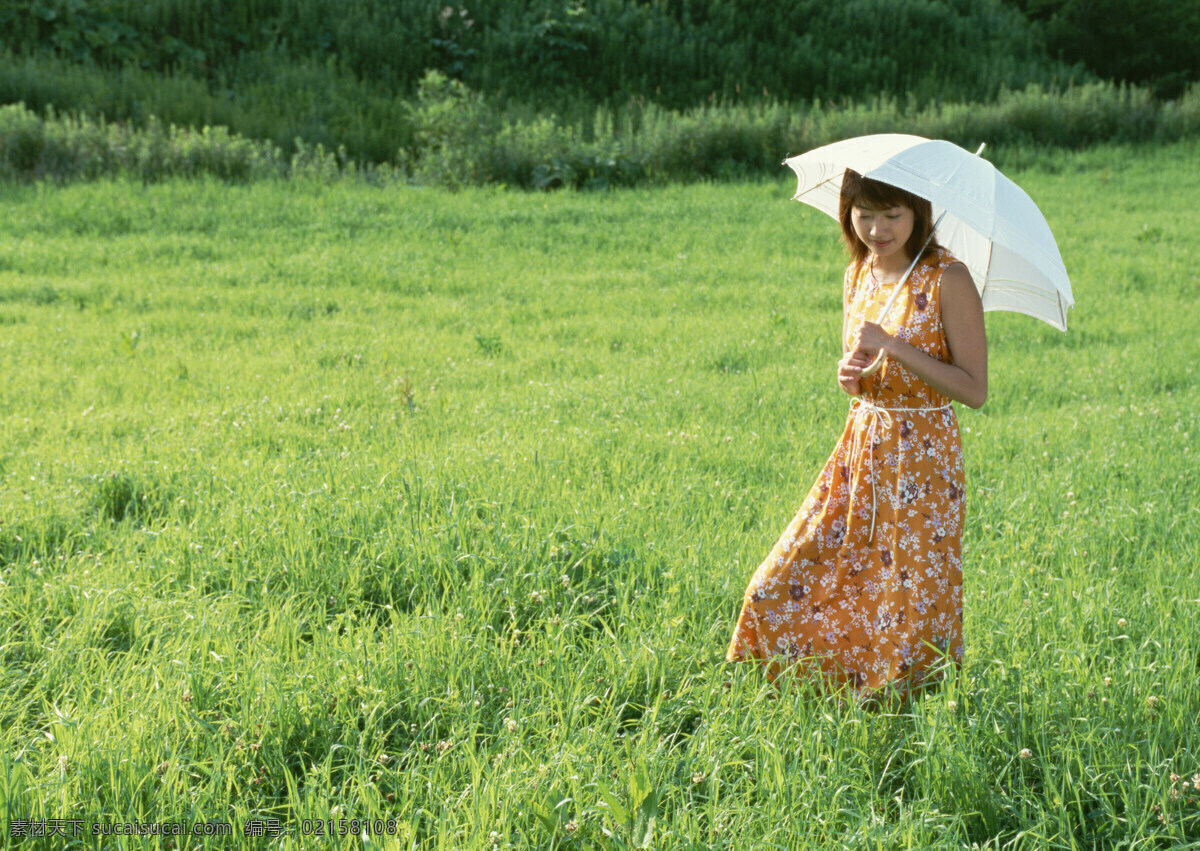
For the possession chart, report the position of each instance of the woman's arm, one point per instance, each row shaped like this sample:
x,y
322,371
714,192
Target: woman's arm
x,y
965,378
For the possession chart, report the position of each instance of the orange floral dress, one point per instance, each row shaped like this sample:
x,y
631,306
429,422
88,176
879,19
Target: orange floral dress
x,y
865,586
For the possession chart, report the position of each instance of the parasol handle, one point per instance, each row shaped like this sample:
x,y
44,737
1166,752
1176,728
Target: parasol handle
x,y
873,366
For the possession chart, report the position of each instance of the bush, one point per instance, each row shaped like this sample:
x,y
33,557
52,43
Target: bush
x,y
451,128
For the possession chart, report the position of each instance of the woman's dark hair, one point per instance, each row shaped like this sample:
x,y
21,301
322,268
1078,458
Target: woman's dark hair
x,y
859,191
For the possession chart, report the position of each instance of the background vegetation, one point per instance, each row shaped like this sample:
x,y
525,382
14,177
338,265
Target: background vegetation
x,y
461,141
349,74
325,500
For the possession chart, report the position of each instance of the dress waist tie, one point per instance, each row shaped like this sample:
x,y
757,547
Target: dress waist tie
x,y
881,416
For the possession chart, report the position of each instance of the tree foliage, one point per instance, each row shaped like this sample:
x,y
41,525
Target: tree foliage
x,y
1138,41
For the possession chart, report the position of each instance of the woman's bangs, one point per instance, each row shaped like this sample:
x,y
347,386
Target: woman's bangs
x,y
873,195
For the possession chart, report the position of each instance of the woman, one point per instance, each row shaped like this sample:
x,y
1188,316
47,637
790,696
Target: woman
x,y
865,586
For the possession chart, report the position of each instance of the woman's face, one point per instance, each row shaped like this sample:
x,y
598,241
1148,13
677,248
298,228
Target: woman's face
x,y
885,232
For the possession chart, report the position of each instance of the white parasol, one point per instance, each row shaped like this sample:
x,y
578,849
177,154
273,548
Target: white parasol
x,y
984,219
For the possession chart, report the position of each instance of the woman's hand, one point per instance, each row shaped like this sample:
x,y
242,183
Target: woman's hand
x,y
850,369
868,348
870,339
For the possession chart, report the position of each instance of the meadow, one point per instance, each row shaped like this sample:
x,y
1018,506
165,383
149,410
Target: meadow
x,y
328,505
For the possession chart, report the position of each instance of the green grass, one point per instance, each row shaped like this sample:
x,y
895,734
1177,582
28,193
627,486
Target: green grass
x,y
342,502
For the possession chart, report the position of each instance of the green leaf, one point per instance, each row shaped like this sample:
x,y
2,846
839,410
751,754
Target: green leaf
x,y
643,823
548,817
552,812
615,807
645,804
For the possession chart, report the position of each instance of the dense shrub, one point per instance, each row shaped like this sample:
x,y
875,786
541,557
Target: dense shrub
x,y
680,52
450,126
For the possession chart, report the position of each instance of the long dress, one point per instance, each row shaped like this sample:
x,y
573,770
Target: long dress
x,y
864,588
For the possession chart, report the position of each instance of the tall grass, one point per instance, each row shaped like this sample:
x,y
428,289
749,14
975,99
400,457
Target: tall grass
x,y
331,501
456,137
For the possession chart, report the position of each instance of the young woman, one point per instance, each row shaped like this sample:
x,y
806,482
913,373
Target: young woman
x,y
865,586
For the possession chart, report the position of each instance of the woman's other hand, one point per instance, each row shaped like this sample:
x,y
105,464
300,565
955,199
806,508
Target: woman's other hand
x,y
850,369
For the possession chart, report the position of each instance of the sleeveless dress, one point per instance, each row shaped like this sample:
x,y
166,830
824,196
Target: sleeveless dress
x,y
864,587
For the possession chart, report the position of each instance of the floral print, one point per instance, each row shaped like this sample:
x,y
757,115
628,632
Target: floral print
x,y
865,585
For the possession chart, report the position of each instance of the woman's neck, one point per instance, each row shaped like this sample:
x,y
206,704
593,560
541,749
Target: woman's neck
x,y
889,269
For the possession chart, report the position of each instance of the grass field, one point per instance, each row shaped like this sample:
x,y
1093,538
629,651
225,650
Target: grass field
x,y
331,503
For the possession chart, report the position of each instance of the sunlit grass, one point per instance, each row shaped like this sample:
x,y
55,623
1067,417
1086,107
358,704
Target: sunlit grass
x,y
338,502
